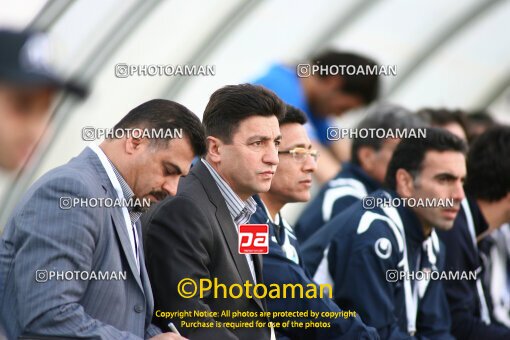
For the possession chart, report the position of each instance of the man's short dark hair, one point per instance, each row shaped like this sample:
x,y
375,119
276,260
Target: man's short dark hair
x,y
366,86
232,104
410,152
488,165
293,115
384,116
482,117
443,117
161,114
478,122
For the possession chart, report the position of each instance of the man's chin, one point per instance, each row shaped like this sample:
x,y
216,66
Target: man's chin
x,y
261,187
300,197
444,225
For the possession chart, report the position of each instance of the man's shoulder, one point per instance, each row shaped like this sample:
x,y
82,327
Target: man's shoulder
x,y
70,178
345,184
192,200
364,226
458,232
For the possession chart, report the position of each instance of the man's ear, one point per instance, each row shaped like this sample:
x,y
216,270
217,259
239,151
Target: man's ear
x,y
214,149
404,183
365,156
131,145
507,201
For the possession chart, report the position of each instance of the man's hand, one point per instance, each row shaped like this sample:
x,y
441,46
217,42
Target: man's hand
x,y
168,336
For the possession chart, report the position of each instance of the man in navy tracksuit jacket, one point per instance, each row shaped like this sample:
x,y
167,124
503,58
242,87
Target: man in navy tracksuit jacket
x,y
382,254
283,264
364,174
348,187
486,209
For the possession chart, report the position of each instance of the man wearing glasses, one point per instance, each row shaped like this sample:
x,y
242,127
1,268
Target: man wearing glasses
x,y
365,172
283,264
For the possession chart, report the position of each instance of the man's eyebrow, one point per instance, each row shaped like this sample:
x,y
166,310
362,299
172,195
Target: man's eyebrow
x,y
447,175
261,138
301,145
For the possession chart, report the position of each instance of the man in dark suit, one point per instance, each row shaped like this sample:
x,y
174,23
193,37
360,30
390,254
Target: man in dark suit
x,y
53,250
194,235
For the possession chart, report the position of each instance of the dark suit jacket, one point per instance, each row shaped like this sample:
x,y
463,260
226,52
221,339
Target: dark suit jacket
x,y
192,235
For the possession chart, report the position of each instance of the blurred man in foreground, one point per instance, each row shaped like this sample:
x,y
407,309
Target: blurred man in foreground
x,y
28,87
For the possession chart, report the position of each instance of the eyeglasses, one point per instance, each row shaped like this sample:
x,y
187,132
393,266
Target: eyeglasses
x,y
300,154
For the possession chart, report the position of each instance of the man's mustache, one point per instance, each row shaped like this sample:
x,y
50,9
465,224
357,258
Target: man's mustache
x,y
158,194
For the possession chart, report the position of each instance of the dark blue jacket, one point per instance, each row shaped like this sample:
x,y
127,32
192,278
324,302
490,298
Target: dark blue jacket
x,y
363,247
463,298
349,186
283,265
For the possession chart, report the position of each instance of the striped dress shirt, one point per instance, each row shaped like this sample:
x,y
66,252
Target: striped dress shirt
x,y
239,211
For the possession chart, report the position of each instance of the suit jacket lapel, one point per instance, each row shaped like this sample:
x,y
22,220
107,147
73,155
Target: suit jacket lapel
x,y
143,273
116,213
226,223
257,261
125,242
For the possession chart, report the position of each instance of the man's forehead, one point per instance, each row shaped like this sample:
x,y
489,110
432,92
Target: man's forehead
x,y
294,135
453,162
258,126
176,149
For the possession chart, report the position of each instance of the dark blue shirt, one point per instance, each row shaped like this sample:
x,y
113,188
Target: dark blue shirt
x,y
348,187
463,255
283,81
363,247
283,265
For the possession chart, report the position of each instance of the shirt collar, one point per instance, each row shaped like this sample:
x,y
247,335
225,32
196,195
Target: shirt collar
x,y
236,206
127,192
479,220
412,225
261,203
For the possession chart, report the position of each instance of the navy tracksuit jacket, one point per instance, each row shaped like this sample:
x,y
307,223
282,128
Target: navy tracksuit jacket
x,y
463,297
360,248
349,186
283,265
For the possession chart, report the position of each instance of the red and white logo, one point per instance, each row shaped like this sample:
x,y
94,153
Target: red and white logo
x,y
253,239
